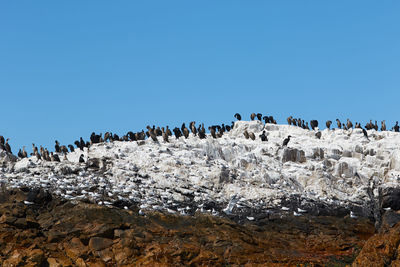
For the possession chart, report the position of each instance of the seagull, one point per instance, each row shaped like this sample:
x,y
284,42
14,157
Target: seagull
x,y
285,208
296,214
353,215
301,210
388,208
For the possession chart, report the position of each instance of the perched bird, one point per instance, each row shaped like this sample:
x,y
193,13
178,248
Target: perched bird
x,y
259,116
152,134
7,146
318,134
383,125
286,141
212,132
313,124
81,159
252,136
71,147
349,124
164,135
57,147
396,128
365,134
289,120
263,137
339,124
238,117
252,116
246,134
24,154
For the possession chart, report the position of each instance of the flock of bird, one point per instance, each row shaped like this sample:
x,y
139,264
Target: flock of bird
x,y
216,131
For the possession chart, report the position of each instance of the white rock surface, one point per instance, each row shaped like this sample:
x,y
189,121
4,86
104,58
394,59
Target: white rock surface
x,y
342,167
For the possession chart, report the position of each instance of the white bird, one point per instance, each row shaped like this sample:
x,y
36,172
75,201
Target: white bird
x,y
28,202
250,218
388,208
285,208
301,210
353,215
296,214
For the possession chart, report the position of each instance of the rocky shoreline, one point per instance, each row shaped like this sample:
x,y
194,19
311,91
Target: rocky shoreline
x,y
40,229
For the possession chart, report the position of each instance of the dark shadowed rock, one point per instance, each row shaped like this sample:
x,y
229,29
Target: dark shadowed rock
x,y
391,198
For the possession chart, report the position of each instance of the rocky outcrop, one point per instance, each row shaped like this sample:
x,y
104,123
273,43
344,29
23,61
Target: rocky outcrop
x,y
294,155
52,232
383,248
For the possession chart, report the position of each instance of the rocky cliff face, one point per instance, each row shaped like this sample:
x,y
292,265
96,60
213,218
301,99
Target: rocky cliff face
x,y
219,201
54,232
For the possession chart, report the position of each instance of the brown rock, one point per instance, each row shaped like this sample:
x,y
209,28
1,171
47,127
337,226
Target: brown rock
x,y
99,243
75,248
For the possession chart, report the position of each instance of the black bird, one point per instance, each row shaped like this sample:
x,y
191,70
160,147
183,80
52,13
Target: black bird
x,y
365,134
2,140
313,124
212,132
81,160
238,117
259,116
82,143
71,148
8,147
396,127
286,141
78,145
177,132
57,147
20,153
318,134
263,137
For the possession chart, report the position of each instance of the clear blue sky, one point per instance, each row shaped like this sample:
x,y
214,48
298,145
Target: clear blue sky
x,y
68,68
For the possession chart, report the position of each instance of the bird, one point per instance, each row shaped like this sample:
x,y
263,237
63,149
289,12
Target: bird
x,y
212,132
238,117
289,120
365,134
152,134
81,159
328,124
286,141
263,137
192,127
313,124
252,136
383,125
252,116
396,127
164,135
246,134
318,134
24,154
349,124
7,146
339,124
259,116
71,148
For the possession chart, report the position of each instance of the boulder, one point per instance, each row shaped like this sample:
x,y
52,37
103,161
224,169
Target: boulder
x,y
294,155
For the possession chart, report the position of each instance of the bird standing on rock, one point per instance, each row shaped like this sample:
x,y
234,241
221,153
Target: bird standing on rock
x,y
246,134
238,117
263,137
339,124
286,141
